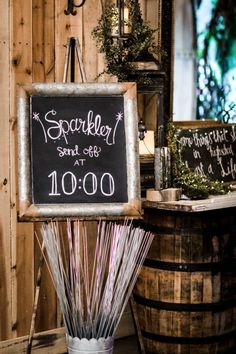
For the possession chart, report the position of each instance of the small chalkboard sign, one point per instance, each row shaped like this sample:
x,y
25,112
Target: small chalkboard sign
x,y
78,150
209,150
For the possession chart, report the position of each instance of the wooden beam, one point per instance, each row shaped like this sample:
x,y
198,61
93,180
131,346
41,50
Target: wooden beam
x,y
53,339
5,185
22,242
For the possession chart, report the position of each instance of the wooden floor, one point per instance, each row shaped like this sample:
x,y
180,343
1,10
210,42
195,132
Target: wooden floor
x,y
126,346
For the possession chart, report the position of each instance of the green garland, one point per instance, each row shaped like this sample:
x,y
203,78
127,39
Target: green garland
x,y
193,185
122,54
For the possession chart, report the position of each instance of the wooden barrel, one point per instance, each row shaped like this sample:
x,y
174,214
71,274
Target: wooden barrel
x,y
185,295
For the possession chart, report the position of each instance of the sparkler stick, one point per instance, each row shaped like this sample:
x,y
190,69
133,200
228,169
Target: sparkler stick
x,y
92,304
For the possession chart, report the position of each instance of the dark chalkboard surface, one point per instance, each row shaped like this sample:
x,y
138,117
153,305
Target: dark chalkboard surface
x,y
78,150
210,151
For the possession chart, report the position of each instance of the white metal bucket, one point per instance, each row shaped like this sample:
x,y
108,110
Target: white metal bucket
x,y
90,346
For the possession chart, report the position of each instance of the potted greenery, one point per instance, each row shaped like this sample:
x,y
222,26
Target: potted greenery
x,y
122,55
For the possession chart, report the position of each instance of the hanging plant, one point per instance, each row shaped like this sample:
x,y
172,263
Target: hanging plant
x,y
122,55
193,185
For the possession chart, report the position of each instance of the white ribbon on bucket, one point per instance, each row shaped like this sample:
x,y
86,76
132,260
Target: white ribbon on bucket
x,y
89,346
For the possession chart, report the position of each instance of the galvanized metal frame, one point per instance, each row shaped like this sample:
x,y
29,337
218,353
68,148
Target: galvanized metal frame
x,y
30,211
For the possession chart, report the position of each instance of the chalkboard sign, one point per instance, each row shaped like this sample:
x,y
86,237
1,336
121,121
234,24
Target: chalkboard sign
x,y
210,150
78,150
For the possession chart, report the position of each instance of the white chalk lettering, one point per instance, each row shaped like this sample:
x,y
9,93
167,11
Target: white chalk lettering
x,y
196,154
202,140
210,170
68,152
200,169
89,184
233,134
92,151
186,141
79,162
91,125
221,151
220,135
228,169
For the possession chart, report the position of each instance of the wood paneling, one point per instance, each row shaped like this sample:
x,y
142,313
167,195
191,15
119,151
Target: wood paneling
x,y
43,35
5,254
21,240
90,52
55,340
43,22
33,35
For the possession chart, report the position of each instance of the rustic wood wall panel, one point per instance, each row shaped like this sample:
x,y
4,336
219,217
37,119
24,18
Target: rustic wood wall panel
x,y
90,52
65,27
33,35
22,240
5,254
43,37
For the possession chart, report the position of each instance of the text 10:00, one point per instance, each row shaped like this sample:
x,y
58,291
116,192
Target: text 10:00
x,y
89,184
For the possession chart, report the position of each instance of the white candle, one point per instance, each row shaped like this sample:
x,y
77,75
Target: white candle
x,y
126,21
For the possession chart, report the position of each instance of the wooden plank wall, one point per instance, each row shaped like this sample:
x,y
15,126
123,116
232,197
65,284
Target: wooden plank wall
x,y
5,200
33,35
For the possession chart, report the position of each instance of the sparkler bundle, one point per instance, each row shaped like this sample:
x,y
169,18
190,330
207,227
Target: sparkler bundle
x,y
93,290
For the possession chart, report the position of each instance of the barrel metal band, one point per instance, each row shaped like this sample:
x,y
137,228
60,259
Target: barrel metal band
x,y
189,340
171,306
175,231
214,267
184,230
